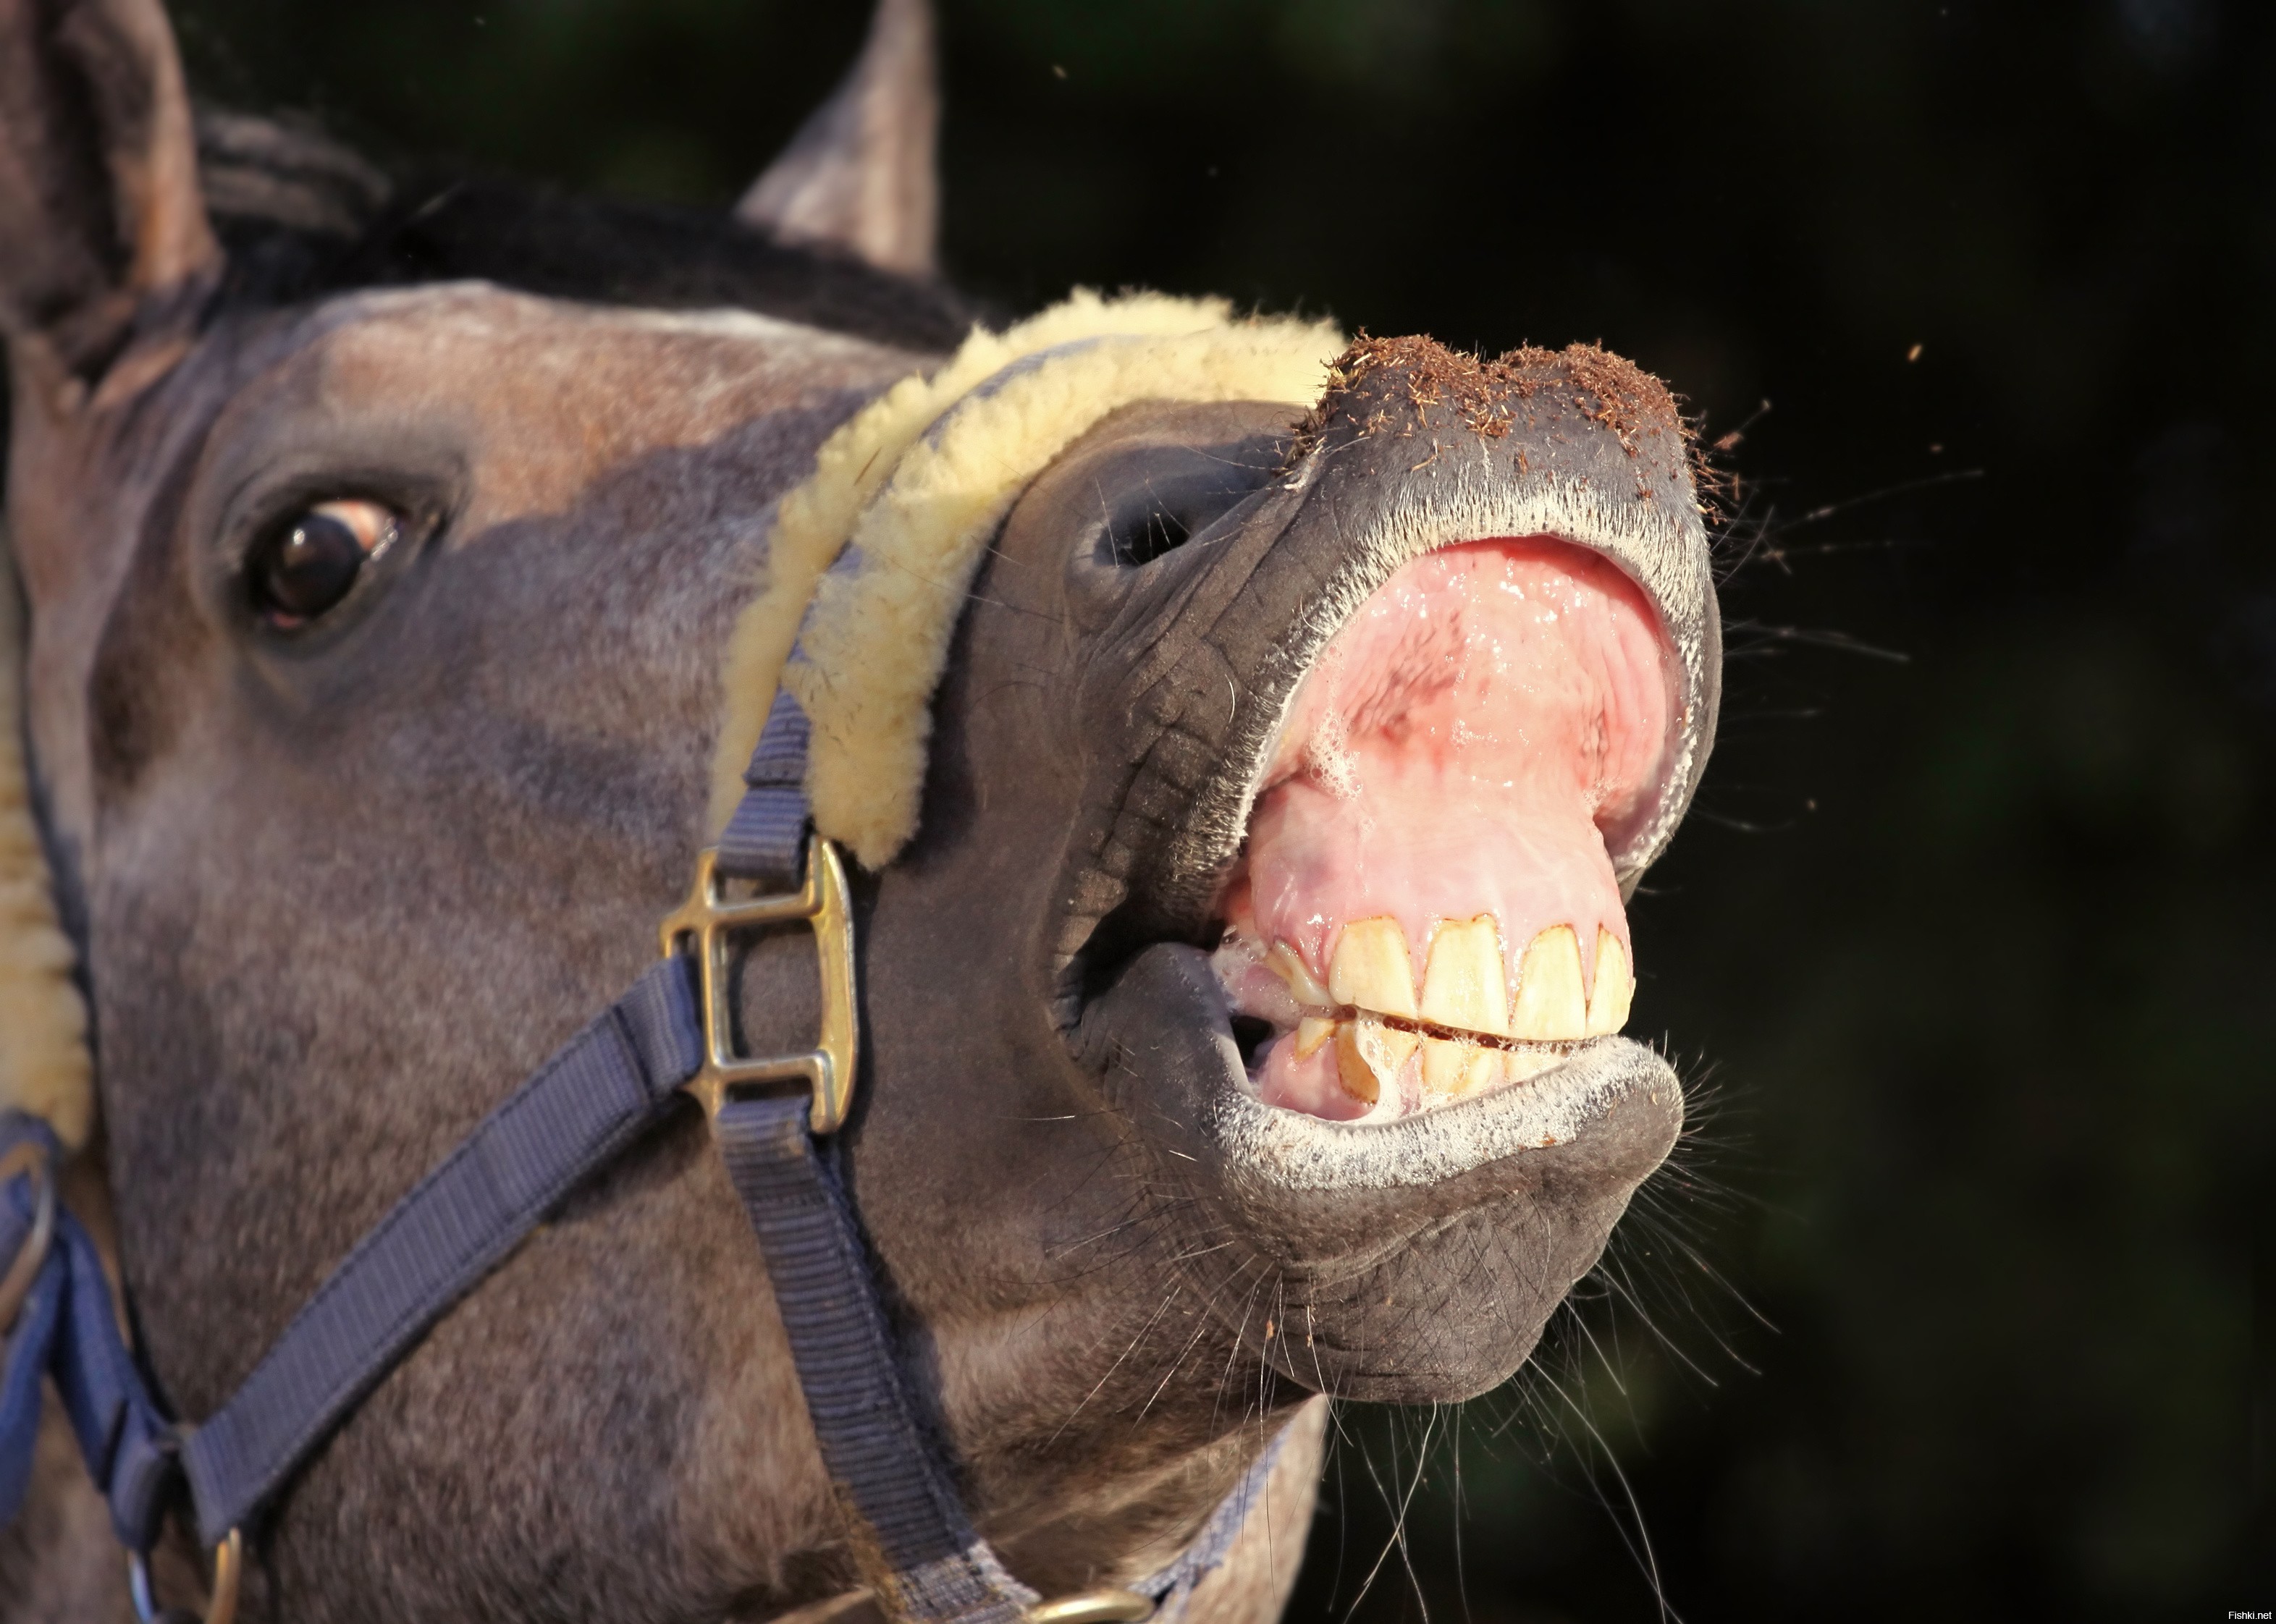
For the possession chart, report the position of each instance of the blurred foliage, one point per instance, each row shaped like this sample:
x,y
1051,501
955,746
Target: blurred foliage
x,y
1959,1303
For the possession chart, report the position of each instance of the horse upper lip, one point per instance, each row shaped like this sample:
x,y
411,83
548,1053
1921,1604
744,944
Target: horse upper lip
x,y
1193,687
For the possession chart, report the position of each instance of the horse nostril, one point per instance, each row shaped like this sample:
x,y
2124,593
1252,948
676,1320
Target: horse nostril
x,y
1158,533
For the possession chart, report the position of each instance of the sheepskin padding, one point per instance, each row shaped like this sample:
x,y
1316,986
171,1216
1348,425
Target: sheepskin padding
x,y
872,554
44,1066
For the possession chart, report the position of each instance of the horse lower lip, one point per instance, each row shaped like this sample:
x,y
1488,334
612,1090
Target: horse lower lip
x,y
1489,1208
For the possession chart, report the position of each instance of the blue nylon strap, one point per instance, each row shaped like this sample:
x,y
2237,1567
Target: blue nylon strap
x,y
1171,1588
917,1551
68,1329
923,1557
29,1350
32,1340
766,838
116,1421
579,1110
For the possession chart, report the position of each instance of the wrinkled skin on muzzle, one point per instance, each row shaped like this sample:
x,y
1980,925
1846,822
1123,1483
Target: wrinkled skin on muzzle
x,y
1139,692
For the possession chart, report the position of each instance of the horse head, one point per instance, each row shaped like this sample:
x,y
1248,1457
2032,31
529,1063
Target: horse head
x,y
1244,743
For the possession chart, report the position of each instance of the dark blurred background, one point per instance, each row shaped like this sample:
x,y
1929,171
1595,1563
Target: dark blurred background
x,y
1958,1304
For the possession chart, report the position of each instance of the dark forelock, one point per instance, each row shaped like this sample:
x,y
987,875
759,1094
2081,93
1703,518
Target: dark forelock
x,y
302,217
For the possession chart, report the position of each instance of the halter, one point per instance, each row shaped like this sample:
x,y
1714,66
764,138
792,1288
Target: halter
x,y
774,1118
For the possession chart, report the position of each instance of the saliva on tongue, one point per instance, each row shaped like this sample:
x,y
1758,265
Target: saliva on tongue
x,y
1425,907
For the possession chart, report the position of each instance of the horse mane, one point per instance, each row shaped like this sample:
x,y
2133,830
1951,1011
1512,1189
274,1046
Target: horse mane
x,y
303,216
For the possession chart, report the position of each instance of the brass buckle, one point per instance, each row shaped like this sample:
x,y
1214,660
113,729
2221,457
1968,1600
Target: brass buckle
x,y
16,1285
1109,1606
827,1068
221,1594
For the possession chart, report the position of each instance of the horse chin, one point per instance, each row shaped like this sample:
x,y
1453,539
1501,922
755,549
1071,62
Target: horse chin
x,y
1415,1258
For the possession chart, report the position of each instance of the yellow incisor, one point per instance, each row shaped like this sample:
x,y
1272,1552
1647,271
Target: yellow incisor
x,y
1464,988
1451,1070
1615,989
1551,1005
1371,971
1467,986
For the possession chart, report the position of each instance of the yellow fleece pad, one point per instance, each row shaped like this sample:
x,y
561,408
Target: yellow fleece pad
x,y
43,1059
903,500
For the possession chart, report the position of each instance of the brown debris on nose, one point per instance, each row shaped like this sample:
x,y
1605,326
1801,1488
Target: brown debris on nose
x,y
1490,396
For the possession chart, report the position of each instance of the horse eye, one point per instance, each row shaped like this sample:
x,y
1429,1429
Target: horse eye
x,y
305,566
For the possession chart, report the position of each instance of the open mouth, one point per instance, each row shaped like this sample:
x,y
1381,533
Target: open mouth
x,y
1341,943
1426,908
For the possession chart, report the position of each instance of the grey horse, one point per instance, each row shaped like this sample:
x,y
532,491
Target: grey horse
x,y
1240,1024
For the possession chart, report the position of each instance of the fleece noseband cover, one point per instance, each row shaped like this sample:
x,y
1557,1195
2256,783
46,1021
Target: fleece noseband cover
x,y
874,553
44,1068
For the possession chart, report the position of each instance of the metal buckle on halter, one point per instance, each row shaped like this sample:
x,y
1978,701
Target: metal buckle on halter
x,y
709,917
28,1157
1108,1606
221,1594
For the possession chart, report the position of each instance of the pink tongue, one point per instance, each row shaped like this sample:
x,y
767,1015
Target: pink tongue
x,y
1467,744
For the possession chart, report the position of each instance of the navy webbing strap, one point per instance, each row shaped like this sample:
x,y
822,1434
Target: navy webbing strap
x,y
67,1330
578,1110
918,1551
766,838
23,1357
582,1107
597,1093
1169,1587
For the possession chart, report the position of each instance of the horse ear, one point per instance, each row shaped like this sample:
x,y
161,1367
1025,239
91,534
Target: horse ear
x,y
860,174
100,215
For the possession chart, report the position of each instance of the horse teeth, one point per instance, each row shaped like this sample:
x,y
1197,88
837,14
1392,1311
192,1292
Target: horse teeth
x,y
1368,1056
1615,989
1443,1062
1465,990
1351,1069
1285,962
1466,985
1523,1065
1371,971
1452,1069
1551,1005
